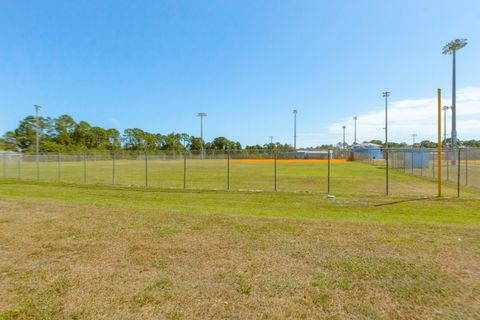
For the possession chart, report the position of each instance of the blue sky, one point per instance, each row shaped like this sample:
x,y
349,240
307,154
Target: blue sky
x,y
155,64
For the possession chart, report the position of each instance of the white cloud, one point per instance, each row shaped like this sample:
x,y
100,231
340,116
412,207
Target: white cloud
x,y
417,116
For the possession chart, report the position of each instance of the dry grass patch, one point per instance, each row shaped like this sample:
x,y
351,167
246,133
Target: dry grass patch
x,y
60,260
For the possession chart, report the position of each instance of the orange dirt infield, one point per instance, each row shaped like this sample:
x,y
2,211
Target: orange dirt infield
x,y
289,160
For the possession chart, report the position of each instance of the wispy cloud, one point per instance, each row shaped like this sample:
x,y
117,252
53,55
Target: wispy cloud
x,y
418,116
113,121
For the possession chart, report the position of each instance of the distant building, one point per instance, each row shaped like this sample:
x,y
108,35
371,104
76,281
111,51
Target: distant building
x,y
367,151
411,157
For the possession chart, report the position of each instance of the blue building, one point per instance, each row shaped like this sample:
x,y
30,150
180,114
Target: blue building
x,y
367,151
418,158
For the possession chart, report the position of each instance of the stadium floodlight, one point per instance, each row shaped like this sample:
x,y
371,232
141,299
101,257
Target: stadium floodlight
x,y
445,108
355,130
201,115
386,94
343,127
414,135
295,111
451,48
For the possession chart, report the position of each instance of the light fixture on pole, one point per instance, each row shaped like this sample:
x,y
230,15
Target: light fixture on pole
x,y
386,94
451,48
343,127
201,115
413,141
295,111
355,130
445,108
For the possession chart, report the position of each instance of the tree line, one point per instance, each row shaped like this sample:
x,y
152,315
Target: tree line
x,y
65,134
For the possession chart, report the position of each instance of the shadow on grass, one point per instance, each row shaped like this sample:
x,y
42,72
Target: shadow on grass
x,y
406,200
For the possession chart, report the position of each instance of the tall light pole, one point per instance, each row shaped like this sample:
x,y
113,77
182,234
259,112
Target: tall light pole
x,y
451,48
386,94
445,108
355,130
37,140
343,127
271,139
201,115
295,111
413,141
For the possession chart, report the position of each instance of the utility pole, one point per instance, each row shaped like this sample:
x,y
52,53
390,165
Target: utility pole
x,y
413,142
343,127
271,139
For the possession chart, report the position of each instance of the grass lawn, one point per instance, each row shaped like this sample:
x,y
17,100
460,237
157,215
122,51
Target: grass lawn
x,y
90,252
346,178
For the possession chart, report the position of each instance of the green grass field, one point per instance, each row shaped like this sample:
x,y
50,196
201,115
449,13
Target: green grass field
x,y
90,252
346,178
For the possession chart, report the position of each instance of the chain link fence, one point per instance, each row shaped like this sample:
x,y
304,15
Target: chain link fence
x,y
412,172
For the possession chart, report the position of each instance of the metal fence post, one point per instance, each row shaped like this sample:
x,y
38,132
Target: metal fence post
x,y
387,171
146,169
228,169
433,165
84,167
38,165
185,170
4,165
466,167
113,166
19,173
411,163
458,173
421,163
447,161
404,162
275,168
328,175
58,166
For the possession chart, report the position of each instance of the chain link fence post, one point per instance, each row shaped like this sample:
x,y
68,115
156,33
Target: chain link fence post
x,y
37,160
184,170
329,156
146,169
433,165
4,165
19,164
458,173
228,169
275,168
58,166
421,162
466,167
84,167
113,167
447,160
